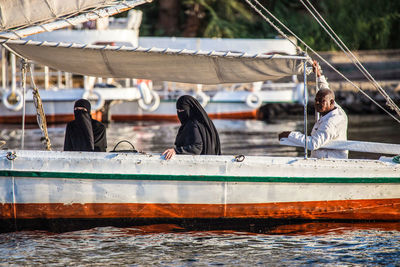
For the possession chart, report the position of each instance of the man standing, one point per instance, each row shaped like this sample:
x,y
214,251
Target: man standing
x,y
332,124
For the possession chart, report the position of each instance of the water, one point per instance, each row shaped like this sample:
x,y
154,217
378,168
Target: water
x,y
169,245
187,244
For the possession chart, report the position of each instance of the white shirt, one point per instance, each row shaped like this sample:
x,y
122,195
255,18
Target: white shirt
x,y
332,126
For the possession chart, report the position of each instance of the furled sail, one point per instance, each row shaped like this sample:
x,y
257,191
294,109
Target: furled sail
x,y
159,64
28,12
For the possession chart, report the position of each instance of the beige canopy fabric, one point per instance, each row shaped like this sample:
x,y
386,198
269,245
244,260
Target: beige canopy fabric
x,y
185,66
16,13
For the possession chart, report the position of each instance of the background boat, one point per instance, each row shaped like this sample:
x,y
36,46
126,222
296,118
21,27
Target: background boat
x,y
122,103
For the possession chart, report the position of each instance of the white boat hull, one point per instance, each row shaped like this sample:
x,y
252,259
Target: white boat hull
x,y
130,111
62,111
47,185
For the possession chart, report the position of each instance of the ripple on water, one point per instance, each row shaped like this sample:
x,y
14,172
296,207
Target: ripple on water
x,y
369,244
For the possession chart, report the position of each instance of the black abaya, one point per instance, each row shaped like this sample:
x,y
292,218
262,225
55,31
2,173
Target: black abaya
x,y
197,134
99,134
84,133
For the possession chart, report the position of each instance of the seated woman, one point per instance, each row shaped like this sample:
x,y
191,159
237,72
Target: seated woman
x,y
197,134
84,133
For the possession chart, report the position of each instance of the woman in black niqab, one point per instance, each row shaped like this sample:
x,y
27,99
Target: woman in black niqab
x,y
84,133
197,134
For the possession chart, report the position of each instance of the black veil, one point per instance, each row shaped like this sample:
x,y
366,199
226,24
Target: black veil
x,y
84,133
195,113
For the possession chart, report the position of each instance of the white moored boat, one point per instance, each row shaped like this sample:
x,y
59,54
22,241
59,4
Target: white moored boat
x,y
82,185
51,185
223,101
124,104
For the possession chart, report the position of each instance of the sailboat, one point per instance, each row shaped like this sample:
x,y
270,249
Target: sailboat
x,y
45,186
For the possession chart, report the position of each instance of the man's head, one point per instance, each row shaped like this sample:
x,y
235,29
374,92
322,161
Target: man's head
x,y
324,101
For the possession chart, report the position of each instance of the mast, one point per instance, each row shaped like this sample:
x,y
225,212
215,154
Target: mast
x,y
305,101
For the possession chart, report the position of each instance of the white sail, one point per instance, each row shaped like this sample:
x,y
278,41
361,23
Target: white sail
x,y
159,64
28,12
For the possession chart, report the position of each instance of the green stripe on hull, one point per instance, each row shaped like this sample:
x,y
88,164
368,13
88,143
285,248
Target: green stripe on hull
x,y
205,178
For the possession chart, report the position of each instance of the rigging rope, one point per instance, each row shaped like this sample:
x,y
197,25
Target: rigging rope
x,y
272,24
41,118
312,50
352,57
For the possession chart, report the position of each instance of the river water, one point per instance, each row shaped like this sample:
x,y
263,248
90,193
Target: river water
x,y
246,244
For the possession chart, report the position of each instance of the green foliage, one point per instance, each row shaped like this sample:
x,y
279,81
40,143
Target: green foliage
x,y
361,24
222,17
366,24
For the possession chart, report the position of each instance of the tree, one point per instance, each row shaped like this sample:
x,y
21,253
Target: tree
x,y
362,24
168,17
219,18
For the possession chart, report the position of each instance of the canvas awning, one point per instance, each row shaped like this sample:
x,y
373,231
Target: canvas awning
x,y
185,66
28,12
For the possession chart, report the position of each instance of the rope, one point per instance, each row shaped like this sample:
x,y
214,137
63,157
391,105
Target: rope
x,y
124,141
271,23
14,199
352,57
41,118
318,55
